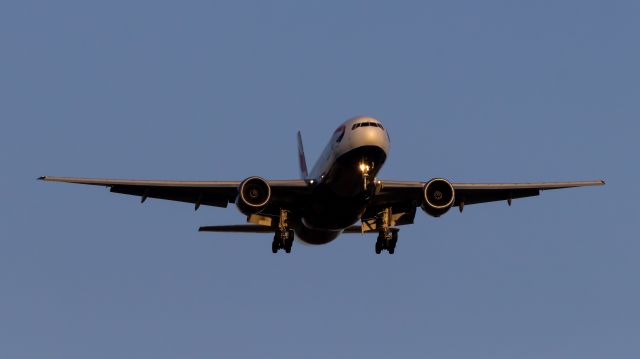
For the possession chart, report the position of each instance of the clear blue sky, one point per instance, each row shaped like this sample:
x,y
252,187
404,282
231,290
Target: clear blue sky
x,y
469,90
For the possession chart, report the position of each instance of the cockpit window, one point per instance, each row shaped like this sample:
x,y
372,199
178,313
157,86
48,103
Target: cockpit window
x,y
365,124
339,133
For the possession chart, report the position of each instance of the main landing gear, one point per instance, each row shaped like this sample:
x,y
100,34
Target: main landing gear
x,y
387,237
283,238
387,240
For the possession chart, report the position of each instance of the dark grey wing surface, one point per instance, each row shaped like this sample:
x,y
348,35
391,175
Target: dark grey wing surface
x,y
402,196
208,193
472,193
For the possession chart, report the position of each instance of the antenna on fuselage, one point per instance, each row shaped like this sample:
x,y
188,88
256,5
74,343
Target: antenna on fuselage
x,y
302,161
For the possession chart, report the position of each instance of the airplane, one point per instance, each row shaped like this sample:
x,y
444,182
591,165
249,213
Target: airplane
x,y
341,190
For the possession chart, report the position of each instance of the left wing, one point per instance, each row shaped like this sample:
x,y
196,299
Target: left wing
x,y
209,193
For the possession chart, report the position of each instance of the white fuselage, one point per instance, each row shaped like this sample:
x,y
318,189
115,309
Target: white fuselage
x,y
352,138
343,178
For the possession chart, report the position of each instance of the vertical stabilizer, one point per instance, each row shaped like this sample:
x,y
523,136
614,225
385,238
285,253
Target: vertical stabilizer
x,y
301,158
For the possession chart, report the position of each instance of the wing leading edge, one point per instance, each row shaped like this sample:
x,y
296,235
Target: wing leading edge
x,y
472,193
209,193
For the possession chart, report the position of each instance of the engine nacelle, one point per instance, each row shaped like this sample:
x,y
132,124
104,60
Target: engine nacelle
x,y
254,193
438,197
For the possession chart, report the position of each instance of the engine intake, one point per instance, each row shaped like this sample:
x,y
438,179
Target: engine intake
x,y
254,193
438,197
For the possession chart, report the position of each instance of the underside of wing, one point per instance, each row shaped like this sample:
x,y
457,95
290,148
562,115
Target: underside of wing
x,y
402,195
208,193
472,193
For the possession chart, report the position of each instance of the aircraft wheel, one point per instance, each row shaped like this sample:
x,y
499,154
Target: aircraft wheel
x,y
288,242
274,247
378,247
392,246
393,242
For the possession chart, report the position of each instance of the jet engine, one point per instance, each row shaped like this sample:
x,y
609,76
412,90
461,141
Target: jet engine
x,y
438,197
254,193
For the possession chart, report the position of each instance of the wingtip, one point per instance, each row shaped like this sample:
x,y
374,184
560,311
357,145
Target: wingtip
x,y
603,182
42,178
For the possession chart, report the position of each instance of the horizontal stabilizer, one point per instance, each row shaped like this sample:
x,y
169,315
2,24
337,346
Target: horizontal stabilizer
x,y
238,228
256,228
358,229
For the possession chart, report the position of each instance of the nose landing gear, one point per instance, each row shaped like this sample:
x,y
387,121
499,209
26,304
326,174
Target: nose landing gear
x,y
364,168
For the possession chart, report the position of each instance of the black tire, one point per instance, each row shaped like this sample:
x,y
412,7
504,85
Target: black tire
x,y
378,247
391,250
274,247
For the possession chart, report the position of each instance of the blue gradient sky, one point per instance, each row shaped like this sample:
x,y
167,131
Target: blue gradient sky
x,y
469,90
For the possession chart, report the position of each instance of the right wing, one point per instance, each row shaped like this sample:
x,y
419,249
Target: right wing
x,y
471,193
208,193
403,197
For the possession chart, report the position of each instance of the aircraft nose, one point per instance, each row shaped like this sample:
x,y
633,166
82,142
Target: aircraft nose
x,y
372,136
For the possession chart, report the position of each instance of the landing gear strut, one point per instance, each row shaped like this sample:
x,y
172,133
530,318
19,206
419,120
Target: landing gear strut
x,y
387,237
364,168
283,238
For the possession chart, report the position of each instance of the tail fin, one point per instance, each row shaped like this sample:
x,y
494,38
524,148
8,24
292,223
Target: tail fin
x,y
301,158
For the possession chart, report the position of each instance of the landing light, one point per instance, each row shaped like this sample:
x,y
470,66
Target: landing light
x,y
364,167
